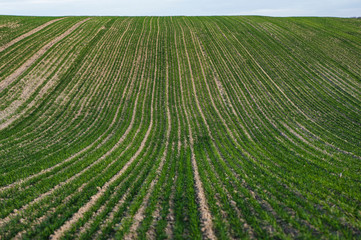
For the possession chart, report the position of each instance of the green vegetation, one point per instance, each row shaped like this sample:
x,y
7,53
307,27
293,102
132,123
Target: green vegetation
x,y
180,127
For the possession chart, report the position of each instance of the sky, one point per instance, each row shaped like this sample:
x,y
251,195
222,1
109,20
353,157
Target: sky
x,y
335,8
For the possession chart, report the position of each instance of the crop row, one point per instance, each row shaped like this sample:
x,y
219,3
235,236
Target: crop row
x,y
181,127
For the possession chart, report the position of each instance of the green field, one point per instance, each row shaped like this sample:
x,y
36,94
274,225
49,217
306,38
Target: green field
x,y
180,128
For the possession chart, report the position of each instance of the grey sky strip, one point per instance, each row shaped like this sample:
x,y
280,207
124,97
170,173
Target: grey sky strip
x,y
337,8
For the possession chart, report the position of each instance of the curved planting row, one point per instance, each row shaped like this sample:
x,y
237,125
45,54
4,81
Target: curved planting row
x,y
180,128
17,27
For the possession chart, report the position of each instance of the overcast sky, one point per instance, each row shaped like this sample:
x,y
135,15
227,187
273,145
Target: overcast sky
x,y
338,8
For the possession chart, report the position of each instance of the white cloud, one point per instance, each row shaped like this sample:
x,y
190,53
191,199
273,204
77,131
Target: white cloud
x,y
54,1
274,12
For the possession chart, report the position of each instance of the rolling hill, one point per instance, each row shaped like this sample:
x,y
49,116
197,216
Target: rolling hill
x,y
180,128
